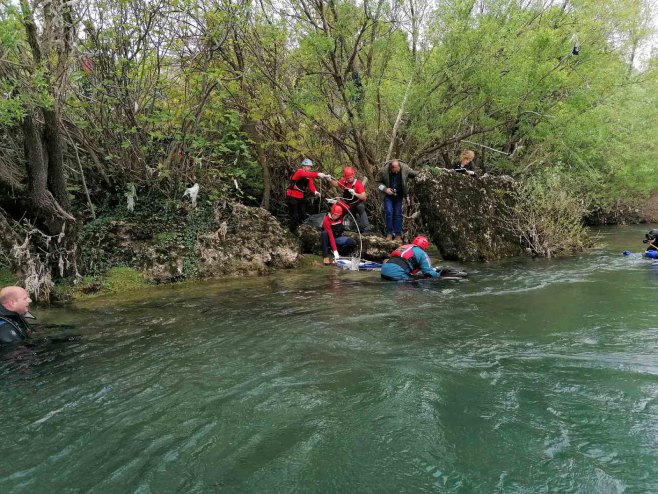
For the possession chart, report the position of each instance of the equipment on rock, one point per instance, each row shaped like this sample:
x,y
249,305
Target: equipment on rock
x,y
356,264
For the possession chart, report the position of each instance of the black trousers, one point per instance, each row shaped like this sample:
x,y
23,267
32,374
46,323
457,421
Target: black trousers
x,y
296,212
359,212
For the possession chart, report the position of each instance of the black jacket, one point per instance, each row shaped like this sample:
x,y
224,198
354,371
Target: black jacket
x,y
13,327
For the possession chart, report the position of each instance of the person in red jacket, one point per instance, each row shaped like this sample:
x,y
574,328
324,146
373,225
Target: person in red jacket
x,y
332,235
300,182
354,197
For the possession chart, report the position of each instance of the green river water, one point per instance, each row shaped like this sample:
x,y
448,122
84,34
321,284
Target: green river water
x,y
531,376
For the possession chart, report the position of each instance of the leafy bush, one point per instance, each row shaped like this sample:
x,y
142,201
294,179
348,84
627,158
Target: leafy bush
x,y
547,215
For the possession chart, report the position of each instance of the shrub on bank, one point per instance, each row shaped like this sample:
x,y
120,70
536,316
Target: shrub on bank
x,y
547,216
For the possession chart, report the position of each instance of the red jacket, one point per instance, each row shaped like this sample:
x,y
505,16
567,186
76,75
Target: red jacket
x,y
334,228
348,199
299,182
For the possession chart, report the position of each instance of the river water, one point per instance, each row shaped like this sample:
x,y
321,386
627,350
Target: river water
x,y
531,376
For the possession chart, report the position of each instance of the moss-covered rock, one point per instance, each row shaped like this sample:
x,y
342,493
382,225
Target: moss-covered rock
x,y
244,240
183,242
114,281
467,217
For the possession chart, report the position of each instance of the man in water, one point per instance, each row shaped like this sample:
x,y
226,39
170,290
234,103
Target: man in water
x,y
14,309
392,180
651,239
14,329
407,260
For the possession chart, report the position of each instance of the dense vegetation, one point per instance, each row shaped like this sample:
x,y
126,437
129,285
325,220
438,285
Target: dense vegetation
x,y
100,99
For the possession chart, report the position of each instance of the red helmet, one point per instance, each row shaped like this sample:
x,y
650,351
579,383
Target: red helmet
x,y
336,209
421,242
348,172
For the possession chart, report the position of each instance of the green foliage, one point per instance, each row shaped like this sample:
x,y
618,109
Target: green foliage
x,y
7,277
122,279
547,216
158,226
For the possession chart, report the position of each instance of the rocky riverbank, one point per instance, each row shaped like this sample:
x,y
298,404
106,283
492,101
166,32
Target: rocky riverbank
x,y
467,218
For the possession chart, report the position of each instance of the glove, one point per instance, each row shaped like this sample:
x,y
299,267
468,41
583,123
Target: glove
x,y
322,175
317,193
336,256
351,191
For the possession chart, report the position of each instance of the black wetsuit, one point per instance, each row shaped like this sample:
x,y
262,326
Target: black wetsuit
x,y
13,328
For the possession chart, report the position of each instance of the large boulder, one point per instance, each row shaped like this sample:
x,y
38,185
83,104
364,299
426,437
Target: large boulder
x,y
468,217
248,240
211,241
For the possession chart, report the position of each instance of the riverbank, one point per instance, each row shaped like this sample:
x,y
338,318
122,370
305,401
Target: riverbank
x,y
468,219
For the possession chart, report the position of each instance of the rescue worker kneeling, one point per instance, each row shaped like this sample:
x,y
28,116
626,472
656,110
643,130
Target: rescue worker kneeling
x,y
407,260
332,235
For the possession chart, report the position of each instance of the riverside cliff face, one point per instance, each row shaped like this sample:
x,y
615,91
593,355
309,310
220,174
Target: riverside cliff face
x,y
468,217
222,240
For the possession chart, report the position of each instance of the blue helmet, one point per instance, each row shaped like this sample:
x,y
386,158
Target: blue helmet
x,y
307,162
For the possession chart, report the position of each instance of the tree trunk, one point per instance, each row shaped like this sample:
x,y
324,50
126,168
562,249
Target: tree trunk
x,y
43,202
53,143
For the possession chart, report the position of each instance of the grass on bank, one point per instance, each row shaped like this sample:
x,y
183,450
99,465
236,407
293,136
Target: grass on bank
x,y
115,280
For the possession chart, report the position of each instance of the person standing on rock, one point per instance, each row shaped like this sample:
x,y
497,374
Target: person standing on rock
x,y
354,197
465,163
332,235
392,179
300,182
